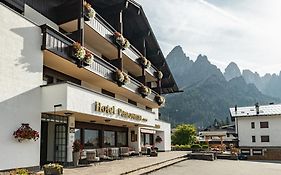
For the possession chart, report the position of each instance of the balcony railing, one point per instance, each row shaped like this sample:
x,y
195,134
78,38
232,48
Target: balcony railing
x,y
60,45
107,31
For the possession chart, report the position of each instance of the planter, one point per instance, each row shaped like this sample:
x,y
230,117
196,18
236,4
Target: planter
x,y
76,157
53,169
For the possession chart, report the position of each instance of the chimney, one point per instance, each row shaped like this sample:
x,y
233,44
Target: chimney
x,y
257,108
235,109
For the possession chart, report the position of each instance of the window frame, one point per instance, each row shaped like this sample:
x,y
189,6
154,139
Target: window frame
x,y
253,125
264,124
265,141
254,139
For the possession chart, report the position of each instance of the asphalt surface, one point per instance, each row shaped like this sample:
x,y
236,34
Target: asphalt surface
x,y
221,167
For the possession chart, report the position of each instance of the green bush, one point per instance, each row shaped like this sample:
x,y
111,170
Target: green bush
x,y
205,146
181,148
195,146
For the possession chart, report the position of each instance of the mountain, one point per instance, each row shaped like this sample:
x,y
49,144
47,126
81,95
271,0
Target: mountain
x,y
232,71
179,64
267,84
207,94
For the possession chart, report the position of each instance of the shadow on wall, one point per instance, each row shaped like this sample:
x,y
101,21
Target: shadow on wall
x,y
31,54
22,108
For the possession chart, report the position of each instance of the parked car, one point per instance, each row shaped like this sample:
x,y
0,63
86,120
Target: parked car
x,y
242,157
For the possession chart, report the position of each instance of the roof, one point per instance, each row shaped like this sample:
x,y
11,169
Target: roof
x,y
264,110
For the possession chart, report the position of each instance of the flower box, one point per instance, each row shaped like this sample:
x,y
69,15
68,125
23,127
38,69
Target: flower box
x,y
89,12
121,41
159,99
121,77
144,91
144,62
53,169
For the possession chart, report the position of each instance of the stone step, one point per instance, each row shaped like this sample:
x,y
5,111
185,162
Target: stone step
x,y
155,167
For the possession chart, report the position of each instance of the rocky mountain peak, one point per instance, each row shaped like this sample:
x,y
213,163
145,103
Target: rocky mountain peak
x,y
232,71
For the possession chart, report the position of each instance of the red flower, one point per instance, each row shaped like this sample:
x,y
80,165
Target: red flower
x,y
26,132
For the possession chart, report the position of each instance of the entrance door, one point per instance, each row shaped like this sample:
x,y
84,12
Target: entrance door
x,y
60,142
43,143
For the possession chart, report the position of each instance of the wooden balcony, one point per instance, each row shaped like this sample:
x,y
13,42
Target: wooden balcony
x,y
98,30
60,45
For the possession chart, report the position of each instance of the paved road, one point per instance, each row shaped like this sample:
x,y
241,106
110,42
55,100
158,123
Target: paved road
x,y
221,167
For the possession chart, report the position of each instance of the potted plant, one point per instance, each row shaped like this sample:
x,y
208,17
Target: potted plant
x,y
88,59
144,91
89,12
53,169
144,62
121,41
159,75
159,99
25,132
77,147
121,77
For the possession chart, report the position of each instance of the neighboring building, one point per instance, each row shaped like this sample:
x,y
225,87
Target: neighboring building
x,y
218,136
258,129
45,85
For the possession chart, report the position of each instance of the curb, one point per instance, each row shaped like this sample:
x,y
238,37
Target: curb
x,y
159,163
163,167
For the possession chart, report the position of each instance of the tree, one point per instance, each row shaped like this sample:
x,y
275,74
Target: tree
x,y
185,134
227,121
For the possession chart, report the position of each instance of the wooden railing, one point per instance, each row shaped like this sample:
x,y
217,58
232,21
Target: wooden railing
x,y
60,45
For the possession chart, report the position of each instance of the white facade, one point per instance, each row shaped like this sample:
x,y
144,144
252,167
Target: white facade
x,y
24,100
21,64
245,131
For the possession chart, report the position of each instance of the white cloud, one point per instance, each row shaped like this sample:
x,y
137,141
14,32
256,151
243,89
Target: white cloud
x,y
244,31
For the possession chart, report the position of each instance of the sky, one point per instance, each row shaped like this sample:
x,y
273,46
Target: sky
x,y
247,32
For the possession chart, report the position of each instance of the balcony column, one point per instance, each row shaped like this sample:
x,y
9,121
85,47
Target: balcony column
x,y
80,23
120,28
159,89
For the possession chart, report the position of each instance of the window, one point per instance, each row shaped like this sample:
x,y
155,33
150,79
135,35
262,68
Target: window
x,y
253,125
245,151
77,134
121,139
132,102
253,139
109,138
148,108
263,124
257,151
108,93
91,138
264,138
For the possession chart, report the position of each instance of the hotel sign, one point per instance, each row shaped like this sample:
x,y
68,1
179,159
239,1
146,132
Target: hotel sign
x,y
120,112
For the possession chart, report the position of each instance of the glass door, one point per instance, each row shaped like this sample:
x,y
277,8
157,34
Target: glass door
x,y
60,142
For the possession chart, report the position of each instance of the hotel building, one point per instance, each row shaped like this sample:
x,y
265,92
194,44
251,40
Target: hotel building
x,y
258,129
68,71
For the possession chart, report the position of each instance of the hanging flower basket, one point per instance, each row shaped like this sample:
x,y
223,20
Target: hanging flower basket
x,y
144,91
121,77
121,41
144,62
158,139
159,99
89,12
25,132
159,75
53,169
